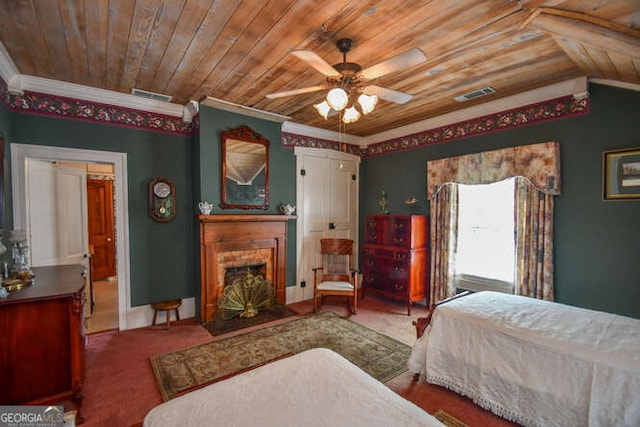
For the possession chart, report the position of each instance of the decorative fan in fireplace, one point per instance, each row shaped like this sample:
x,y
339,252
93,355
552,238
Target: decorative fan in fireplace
x,y
245,296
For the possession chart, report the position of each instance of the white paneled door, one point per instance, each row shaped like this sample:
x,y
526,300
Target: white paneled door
x,y
56,213
327,197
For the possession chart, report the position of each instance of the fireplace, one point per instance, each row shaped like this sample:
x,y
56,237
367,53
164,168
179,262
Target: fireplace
x,y
231,274
229,242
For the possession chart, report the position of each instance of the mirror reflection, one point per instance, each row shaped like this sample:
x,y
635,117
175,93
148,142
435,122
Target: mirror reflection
x,y
245,160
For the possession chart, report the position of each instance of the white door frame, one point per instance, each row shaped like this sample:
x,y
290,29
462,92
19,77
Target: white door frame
x,y
21,152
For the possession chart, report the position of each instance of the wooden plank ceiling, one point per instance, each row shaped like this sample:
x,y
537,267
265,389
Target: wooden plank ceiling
x,y
239,51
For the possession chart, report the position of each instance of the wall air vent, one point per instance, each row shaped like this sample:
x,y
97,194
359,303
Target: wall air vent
x,y
476,93
150,95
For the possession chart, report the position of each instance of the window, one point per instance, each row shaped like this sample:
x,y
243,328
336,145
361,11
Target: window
x,y
485,257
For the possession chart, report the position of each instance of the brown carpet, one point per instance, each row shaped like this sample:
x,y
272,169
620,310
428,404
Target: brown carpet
x,y
379,355
267,315
121,388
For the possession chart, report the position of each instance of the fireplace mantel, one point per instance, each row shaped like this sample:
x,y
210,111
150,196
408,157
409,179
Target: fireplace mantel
x,y
245,218
221,236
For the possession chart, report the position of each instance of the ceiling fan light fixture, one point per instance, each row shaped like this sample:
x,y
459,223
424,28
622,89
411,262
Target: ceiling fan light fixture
x,y
350,115
323,108
367,102
337,99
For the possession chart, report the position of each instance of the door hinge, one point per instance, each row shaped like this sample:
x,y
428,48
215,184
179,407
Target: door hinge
x,y
353,177
303,172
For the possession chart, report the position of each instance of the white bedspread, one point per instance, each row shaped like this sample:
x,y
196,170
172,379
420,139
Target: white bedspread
x,y
535,362
317,387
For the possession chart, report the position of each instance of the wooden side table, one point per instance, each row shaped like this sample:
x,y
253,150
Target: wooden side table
x,y
166,306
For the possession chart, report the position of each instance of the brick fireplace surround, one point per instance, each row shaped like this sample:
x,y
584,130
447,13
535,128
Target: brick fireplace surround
x,y
228,241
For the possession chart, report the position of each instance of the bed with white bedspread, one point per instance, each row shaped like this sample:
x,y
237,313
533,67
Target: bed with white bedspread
x,y
317,387
534,362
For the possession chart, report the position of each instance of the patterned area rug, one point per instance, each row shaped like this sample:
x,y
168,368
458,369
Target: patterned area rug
x,y
377,354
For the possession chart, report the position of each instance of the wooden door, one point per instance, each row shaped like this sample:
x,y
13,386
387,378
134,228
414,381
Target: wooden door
x,y
101,230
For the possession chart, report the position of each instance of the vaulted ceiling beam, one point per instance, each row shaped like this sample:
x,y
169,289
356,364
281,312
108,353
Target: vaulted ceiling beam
x,y
578,27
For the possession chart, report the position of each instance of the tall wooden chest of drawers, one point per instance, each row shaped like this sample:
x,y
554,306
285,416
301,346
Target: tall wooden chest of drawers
x,y
395,257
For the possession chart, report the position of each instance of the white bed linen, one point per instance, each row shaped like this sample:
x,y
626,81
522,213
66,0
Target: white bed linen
x,y
535,362
317,387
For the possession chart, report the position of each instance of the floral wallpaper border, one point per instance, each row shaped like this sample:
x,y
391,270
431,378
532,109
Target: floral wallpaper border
x,y
75,109
535,113
291,140
553,109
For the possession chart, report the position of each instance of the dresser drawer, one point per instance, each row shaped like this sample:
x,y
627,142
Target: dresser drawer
x,y
375,229
398,287
399,232
395,260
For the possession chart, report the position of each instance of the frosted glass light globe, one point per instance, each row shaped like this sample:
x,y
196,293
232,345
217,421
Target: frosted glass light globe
x,y
323,108
367,102
350,115
337,98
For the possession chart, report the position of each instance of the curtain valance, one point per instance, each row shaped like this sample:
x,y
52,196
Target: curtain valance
x,y
538,163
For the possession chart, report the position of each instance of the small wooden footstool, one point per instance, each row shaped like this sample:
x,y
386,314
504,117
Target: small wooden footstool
x,y
166,306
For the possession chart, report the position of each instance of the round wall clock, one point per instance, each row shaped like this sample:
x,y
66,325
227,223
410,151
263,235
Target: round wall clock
x,y
162,199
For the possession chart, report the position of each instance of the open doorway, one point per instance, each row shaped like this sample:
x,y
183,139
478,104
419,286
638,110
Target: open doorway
x,y
101,221
79,228
103,290
20,156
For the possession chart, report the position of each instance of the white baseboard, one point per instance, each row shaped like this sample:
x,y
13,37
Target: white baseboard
x,y
141,316
297,294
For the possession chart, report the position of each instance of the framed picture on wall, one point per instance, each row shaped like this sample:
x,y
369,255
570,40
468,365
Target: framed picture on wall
x,y
621,174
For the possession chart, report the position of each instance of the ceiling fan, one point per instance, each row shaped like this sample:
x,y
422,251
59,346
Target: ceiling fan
x,y
353,80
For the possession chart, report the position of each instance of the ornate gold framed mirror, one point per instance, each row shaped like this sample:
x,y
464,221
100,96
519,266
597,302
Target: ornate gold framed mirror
x,y
245,169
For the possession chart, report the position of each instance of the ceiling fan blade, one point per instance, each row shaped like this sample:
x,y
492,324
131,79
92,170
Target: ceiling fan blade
x,y
388,94
404,60
316,62
296,91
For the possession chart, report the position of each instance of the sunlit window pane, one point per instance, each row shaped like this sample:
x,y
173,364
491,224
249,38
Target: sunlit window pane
x,y
485,231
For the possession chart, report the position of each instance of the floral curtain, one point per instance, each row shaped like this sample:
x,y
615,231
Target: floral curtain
x,y
534,242
444,236
539,167
538,163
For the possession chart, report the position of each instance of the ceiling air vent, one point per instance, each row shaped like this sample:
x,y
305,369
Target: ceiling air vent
x,y
476,93
150,95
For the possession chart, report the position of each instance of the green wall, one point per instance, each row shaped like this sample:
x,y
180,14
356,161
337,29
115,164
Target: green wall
x,y
164,257
282,169
596,242
161,254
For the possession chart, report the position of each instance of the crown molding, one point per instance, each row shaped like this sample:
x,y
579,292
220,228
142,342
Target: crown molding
x,y
577,87
221,104
9,72
102,96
